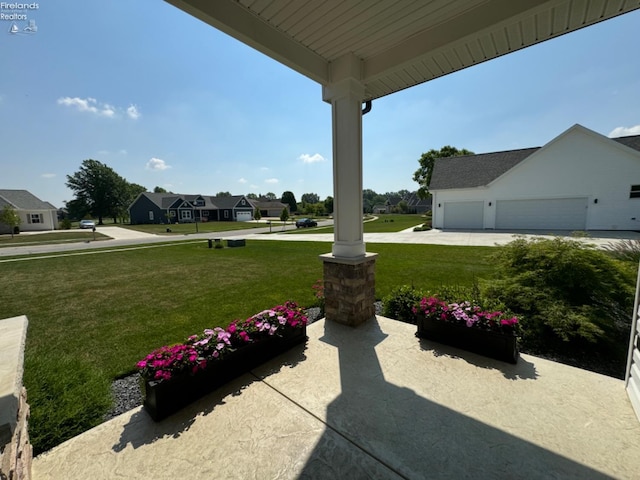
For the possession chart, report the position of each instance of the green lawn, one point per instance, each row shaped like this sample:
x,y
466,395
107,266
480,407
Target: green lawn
x,y
50,238
183,228
91,317
382,224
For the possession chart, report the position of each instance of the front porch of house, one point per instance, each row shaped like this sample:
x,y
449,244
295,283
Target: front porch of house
x,y
374,402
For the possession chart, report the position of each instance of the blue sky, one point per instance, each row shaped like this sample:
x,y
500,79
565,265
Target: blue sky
x,y
166,100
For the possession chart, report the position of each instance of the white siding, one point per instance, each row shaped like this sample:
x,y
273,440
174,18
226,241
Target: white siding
x,y
579,163
632,376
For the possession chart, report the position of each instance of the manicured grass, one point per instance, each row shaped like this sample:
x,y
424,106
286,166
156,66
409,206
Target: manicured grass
x,y
393,223
184,228
50,238
382,224
91,317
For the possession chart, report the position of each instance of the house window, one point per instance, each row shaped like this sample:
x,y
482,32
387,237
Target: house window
x,y
34,218
151,215
226,214
205,213
185,214
243,202
635,191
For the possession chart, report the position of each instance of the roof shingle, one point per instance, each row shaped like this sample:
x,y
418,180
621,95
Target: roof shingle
x,y
469,171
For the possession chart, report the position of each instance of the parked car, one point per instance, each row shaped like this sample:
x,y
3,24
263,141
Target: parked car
x,y
87,224
306,222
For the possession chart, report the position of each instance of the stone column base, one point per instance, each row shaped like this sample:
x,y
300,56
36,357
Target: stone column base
x,y
349,288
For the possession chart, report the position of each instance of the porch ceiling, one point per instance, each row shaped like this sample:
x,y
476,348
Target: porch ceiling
x,y
398,44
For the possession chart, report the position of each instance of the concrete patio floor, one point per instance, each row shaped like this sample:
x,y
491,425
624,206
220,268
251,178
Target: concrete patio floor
x,y
374,402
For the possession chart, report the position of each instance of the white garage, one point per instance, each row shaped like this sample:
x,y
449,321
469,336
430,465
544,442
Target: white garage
x,y
580,180
463,214
243,216
552,213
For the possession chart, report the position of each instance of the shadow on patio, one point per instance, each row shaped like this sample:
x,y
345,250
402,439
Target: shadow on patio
x,y
374,402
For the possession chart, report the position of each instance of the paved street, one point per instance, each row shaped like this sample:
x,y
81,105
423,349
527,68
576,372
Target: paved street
x,y
126,237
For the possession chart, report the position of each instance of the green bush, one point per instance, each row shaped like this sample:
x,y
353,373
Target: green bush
x,y
399,303
570,297
65,224
627,250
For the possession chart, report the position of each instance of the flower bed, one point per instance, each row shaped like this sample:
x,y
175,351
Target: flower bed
x,y
465,326
175,376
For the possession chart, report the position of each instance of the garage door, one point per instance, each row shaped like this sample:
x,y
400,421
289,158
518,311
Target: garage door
x,y
552,213
463,215
243,216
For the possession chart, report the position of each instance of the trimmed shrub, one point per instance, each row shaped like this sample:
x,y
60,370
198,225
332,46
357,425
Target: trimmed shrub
x,y
400,302
570,296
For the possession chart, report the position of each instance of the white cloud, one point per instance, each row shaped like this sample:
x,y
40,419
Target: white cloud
x,y
264,169
253,187
157,164
107,152
315,158
133,112
624,131
107,110
242,180
48,175
101,109
272,181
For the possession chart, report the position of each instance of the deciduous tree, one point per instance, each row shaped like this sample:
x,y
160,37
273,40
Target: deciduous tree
x,y
10,217
310,198
427,160
290,199
98,186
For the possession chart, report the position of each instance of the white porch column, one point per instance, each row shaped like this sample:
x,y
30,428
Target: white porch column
x,y
346,108
349,271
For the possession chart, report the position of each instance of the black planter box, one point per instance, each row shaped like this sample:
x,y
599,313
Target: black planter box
x,y
498,345
164,398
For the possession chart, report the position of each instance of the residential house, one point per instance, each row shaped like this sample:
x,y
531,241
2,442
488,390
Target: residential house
x,y
415,204
159,208
580,180
270,208
35,214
